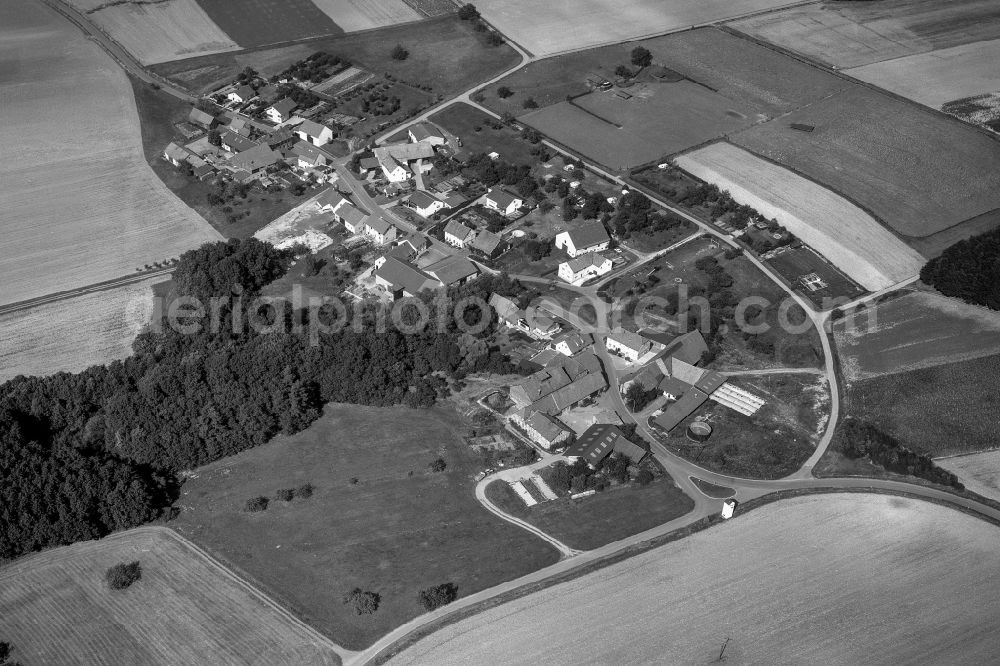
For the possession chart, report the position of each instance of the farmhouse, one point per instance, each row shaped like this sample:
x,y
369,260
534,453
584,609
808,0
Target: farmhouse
x,y
591,237
424,203
308,155
175,154
539,326
241,95
366,165
488,245
202,119
596,80
627,344
425,132
239,126
579,270
563,398
457,234
314,133
563,382
570,343
236,143
280,138
502,201
542,429
329,200
380,231
352,218
598,442
281,110
453,271
395,159
401,279
255,159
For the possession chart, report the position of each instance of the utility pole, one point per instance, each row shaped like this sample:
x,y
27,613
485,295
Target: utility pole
x,y
722,652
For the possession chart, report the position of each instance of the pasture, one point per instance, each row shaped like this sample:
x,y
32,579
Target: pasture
x,y
853,34
795,264
979,472
378,518
56,609
658,119
462,120
938,77
591,522
836,579
940,410
845,234
162,31
918,172
913,331
72,335
543,28
80,203
353,15
256,23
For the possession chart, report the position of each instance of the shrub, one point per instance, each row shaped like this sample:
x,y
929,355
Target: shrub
x,y
495,39
644,477
399,52
363,601
285,495
468,11
530,103
503,92
438,465
437,596
256,504
304,491
122,575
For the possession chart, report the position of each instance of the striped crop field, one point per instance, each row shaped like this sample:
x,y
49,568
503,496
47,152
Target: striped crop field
x,y
56,609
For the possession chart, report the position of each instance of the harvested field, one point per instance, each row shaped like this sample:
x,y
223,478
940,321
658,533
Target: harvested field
x,y
913,331
543,28
255,23
75,334
835,579
658,119
846,235
353,15
979,472
852,34
938,77
918,172
80,204
941,410
162,31
378,518
56,609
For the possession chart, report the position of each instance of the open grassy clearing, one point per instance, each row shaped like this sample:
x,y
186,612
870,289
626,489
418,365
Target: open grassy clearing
x,y
462,120
74,334
917,171
852,34
916,330
254,23
940,410
56,608
445,53
162,31
785,584
846,235
352,15
553,27
80,203
940,76
979,472
400,528
797,263
772,443
591,522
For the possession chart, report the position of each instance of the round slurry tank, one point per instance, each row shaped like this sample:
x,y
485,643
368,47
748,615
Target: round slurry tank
x,y
699,431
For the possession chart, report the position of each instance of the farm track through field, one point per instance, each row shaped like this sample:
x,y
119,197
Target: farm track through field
x,y
89,289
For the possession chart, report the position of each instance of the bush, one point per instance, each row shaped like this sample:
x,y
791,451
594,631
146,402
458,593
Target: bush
x,y
304,491
122,575
285,495
644,477
530,103
363,601
256,504
503,92
437,596
468,11
495,39
399,52
438,465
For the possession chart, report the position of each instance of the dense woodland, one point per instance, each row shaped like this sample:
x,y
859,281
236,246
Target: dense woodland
x,y
969,269
860,438
88,453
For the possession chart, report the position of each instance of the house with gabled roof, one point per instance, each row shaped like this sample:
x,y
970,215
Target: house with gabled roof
x,y
401,279
427,133
457,234
281,110
453,271
255,159
590,237
572,342
627,344
502,201
202,118
308,156
546,431
352,218
236,143
601,440
565,397
488,245
314,133
380,231
175,154
424,203
241,94
583,268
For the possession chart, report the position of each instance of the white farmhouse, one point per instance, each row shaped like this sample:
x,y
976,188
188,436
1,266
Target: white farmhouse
x,y
579,270
457,234
425,204
502,201
314,133
427,133
591,237
627,344
281,110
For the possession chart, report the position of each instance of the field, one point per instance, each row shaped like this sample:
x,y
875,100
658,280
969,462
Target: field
x,y
939,76
594,521
659,119
56,609
843,233
853,34
834,579
395,529
445,53
162,31
979,472
795,264
461,120
543,28
941,410
74,334
352,15
80,203
914,170
256,23
916,330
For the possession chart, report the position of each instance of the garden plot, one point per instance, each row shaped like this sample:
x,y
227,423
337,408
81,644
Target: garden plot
x,y
850,238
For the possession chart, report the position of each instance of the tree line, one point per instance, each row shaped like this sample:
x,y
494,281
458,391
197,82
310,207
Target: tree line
x,y
969,270
860,438
88,453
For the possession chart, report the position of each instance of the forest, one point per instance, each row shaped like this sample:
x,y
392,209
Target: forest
x,y
861,438
89,453
969,270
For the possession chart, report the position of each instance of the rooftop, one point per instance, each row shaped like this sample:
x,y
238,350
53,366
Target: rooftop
x,y
458,230
422,131
452,269
405,276
591,233
421,199
284,106
586,261
501,197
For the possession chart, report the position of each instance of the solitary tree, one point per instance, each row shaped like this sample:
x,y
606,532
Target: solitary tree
x,y
215,137
635,397
504,92
437,596
530,103
256,504
468,11
363,601
6,649
399,52
304,491
623,71
641,57
438,465
285,494
495,39
644,477
122,575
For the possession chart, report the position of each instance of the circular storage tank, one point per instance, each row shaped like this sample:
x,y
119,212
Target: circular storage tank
x,y
699,431
517,233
